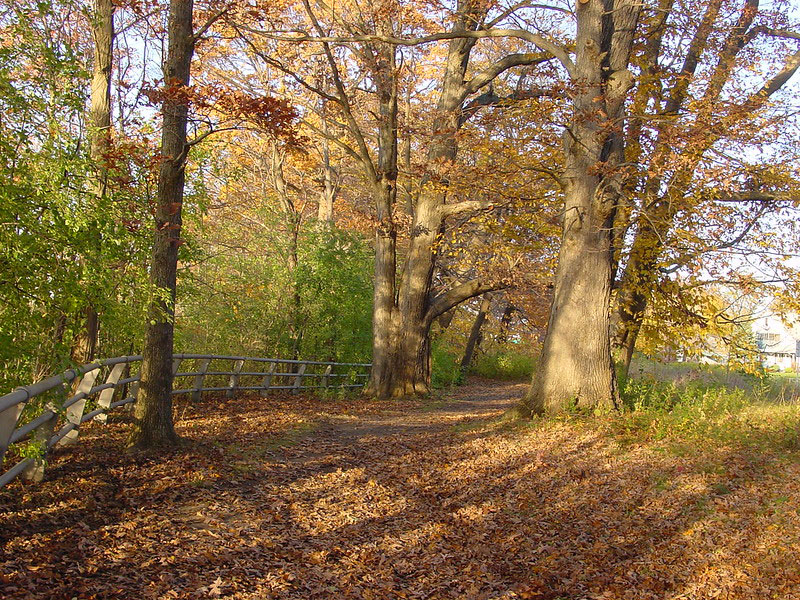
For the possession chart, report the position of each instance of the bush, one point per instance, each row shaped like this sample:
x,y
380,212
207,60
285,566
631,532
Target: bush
x,y
249,303
445,366
507,363
699,412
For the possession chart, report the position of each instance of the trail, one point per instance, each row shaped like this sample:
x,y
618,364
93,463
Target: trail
x,y
358,439
302,498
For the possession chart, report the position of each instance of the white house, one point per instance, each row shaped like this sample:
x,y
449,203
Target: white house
x,y
778,342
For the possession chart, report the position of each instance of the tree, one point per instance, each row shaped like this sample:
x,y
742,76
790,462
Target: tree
x,y
718,99
99,122
361,50
153,412
475,334
575,368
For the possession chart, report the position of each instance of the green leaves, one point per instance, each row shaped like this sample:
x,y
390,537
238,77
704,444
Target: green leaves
x,y
252,301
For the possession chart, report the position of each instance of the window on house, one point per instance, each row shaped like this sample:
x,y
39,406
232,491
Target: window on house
x,y
767,337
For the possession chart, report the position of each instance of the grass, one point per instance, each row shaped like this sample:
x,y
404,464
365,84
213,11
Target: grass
x,y
702,404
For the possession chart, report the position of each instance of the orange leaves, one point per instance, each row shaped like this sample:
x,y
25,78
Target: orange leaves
x,y
386,501
270,115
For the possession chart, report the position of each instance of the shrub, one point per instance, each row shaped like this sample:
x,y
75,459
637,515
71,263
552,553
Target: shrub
x,y
445,366
701,412
506,363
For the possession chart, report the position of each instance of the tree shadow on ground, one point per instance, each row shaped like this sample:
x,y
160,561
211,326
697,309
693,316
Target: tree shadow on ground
x,y
427,505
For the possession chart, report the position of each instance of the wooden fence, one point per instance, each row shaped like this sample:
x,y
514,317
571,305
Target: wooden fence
x,y
65,398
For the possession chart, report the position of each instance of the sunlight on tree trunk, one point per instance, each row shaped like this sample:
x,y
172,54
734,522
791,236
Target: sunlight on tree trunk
x,y
84,344
153,412
576,368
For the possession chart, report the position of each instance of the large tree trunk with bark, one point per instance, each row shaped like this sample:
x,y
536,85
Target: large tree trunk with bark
x,y
404,368
84,344
385,325
384,311
153,413
576,369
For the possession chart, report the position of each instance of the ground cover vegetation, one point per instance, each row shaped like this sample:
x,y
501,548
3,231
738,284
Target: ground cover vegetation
x,y
569,194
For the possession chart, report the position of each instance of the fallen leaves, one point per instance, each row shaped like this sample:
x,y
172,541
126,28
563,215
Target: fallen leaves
x,y
293,497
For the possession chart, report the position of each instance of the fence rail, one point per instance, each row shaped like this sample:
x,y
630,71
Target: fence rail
x,y
65,397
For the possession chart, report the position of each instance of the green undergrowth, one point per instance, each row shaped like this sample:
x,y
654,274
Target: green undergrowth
x,y
686,417
445,366
705,413
504,363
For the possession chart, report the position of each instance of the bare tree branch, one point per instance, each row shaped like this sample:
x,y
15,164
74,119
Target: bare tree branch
x,y
554,49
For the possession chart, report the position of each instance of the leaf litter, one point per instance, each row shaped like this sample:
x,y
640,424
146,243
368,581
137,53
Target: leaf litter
x,y
307,498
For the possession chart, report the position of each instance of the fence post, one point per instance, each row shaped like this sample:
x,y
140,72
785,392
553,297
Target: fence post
x,y
107,395
298,379
134,393
75,412
234,383
35,471
326,376
176,364
199,379
8,423
265,383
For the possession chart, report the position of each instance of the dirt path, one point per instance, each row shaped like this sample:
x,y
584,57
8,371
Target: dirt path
x,y
478,402
306,499
272,499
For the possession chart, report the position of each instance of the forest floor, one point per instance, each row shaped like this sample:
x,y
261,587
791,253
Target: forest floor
x,y
304,498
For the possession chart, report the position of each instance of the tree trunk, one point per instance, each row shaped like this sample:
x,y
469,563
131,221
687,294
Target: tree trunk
x,y
409,343
100,99
576,369
475,333
84,344
153,413
505,323
292,220
327,194
634,292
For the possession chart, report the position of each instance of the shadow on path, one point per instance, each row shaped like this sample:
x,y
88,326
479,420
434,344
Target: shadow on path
x,y
310,499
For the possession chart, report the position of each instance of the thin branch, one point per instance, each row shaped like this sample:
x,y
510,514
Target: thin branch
x,y
556,50
348,150
209,22
291,73
363,150
516,7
